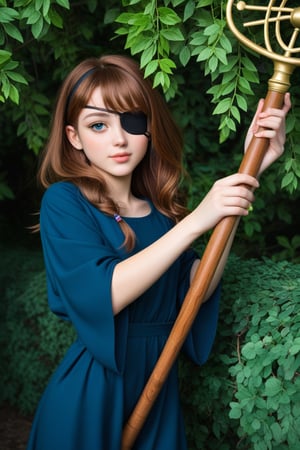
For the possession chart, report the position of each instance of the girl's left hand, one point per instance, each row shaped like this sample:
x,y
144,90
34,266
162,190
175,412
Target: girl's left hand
x,y
273,122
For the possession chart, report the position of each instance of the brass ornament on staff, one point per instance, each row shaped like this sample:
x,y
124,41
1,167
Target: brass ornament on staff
x,y
278,85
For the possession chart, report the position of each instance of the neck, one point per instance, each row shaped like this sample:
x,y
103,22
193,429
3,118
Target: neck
x,y
120,190
129,205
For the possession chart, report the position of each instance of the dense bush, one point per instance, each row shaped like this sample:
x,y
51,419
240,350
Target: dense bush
x,y
32,339
249,391
248,394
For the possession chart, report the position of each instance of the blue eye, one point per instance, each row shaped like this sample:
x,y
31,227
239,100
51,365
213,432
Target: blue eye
x,y
98,126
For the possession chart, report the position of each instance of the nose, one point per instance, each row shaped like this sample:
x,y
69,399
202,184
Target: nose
x,y
119,134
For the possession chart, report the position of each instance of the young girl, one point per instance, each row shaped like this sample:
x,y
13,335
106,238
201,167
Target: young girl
x,y
116,243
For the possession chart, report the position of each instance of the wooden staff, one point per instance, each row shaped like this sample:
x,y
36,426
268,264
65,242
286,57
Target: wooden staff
x,y
251,163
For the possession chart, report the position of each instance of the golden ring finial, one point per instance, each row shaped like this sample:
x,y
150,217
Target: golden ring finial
x,y
273,15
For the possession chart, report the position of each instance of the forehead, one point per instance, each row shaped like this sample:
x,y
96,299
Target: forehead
x,y
96,99
111,101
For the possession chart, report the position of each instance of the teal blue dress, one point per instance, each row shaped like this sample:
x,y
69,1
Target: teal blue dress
x,y
96,386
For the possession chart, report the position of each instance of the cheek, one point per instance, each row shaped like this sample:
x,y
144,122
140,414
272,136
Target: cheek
x,y
93,142
143,145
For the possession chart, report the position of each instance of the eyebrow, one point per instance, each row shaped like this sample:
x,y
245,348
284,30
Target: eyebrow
x,y
97,108
96,114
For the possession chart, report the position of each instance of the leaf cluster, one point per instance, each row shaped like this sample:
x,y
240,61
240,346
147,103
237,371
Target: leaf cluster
x,y
35,16
32,339
267,396
247,395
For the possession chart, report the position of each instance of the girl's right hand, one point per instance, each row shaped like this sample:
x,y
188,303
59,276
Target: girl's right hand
x,y
230,196
134,275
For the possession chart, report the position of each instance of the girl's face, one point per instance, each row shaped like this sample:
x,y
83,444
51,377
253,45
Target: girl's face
x,y
107,145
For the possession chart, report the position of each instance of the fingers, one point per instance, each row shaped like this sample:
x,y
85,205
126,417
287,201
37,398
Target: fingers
x,y
271,117
234,194
281,112
234,206
238,196
238,179
277,113
270,126
229,196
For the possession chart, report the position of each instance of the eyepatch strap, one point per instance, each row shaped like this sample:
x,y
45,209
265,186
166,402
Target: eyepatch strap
x,y
132,122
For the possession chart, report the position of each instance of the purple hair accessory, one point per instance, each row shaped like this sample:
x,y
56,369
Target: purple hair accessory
x,y
117,218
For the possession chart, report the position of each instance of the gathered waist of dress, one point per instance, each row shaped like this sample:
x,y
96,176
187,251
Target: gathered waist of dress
x,y
149,329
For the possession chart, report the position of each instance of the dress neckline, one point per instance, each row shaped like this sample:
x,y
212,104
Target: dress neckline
x,y
145,216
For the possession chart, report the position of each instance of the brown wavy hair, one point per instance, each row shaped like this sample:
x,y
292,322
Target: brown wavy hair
x,y
124,88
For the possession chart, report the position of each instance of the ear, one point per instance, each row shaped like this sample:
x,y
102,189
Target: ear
x,y
73,137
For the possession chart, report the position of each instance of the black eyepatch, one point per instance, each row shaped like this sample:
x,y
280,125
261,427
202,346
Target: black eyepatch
x,y
132,122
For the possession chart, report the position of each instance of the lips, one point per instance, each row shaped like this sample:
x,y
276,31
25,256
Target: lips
x,y
121,157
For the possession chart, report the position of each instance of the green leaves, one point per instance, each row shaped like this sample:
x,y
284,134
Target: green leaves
x,y
12,31
167,16
266,376
36,14
41,14
8,14
291,167
151,32
230,93
4,56
290,248
258,396
272,387
8,77
36,108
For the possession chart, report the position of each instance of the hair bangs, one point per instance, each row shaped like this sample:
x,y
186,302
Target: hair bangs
x,y
121,92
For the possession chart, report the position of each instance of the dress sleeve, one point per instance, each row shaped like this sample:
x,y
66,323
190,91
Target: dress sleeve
x,y
200,339
79,264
